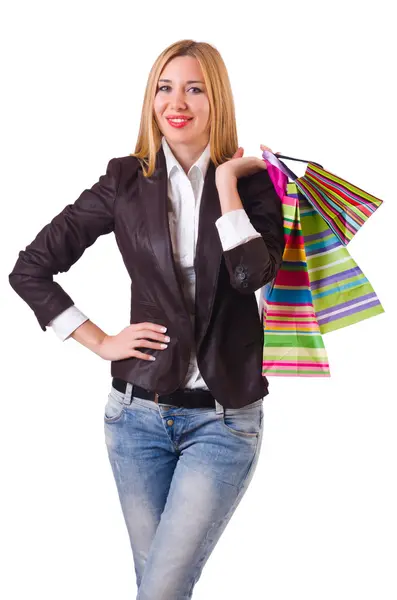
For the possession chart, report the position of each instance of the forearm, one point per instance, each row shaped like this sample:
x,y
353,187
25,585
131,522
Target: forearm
x,y
254,263
229,197
89,335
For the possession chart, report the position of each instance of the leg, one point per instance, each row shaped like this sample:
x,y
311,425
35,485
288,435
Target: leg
x,y
143,461
218,456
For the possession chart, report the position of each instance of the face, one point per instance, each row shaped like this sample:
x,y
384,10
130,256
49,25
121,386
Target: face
x,y
178,97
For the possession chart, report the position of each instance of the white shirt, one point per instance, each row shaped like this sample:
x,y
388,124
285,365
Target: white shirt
x,y
184,198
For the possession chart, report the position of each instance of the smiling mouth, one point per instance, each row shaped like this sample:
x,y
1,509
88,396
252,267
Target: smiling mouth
x,y
179,124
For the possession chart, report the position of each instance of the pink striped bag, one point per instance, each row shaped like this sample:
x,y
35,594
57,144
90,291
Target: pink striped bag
x,y
344,206
293,344
318,288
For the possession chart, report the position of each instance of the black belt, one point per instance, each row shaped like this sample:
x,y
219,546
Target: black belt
x,y
195,398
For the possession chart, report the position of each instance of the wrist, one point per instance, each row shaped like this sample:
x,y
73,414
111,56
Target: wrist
x,y
225,177
229,198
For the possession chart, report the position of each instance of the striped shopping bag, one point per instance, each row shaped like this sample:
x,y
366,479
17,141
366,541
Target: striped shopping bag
x,y
340,294
344,206
293,343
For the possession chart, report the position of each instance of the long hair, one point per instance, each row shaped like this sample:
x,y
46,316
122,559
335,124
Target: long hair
x,y
223,132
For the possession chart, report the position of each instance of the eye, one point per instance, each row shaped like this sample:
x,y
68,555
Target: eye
x,y
167,86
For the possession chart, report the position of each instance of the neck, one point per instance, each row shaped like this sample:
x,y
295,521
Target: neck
x,y
187,154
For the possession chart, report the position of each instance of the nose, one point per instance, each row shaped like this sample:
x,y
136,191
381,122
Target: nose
x,y
178,99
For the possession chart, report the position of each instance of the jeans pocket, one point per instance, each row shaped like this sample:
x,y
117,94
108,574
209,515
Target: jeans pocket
x,y
115,406
244,422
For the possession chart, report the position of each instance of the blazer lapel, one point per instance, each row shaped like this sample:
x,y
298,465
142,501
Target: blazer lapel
x,y
154,195
208,254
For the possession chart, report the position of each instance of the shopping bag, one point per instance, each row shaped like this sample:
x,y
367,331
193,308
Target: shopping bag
x,y
339,292
293,344
344,206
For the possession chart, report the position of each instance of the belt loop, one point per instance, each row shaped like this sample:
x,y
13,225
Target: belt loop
x,y
156,397
129,389
218,407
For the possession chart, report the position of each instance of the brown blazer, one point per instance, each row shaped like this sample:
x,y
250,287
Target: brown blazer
x,y
228,334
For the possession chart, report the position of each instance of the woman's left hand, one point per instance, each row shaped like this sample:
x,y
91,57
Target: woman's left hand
x,y
239,166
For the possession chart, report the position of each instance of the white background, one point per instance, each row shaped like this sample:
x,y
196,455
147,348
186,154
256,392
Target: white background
x,y
311,80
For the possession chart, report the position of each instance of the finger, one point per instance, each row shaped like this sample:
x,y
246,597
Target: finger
x,y
270,150
146,325
156,327
137,354
149,344
152,335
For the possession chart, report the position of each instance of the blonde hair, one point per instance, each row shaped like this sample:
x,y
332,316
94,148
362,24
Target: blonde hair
x,y
223,132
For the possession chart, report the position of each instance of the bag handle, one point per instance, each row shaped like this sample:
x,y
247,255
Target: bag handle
x,y
274,160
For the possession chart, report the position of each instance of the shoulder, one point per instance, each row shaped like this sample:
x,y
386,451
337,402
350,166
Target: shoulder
x,y
255,184
123,169
128,163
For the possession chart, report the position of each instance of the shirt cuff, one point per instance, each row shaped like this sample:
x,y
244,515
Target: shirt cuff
x,y
235,228
67,321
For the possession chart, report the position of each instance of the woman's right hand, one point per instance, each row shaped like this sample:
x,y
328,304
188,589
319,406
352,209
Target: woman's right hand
x,y
125,343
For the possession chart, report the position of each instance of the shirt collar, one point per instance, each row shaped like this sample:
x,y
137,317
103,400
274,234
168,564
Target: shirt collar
x,y
201,163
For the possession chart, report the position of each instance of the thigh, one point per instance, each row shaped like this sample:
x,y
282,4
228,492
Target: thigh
x,y
143,462
214,469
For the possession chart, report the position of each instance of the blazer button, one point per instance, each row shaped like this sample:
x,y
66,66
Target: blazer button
x,y
239,269
241,276
244,284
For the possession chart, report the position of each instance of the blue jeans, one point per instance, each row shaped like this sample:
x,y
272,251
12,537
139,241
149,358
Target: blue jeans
x,y
180,474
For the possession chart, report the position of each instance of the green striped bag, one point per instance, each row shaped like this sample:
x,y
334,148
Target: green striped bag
x,y
344,206
341,293
336,288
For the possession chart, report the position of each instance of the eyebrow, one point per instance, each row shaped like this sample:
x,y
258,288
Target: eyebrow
x,y
191,81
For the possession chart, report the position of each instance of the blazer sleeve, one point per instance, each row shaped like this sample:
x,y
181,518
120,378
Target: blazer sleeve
x,y
61,243
255,263
234,228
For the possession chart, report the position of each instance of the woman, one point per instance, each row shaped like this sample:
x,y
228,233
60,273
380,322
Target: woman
x,y
200,229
